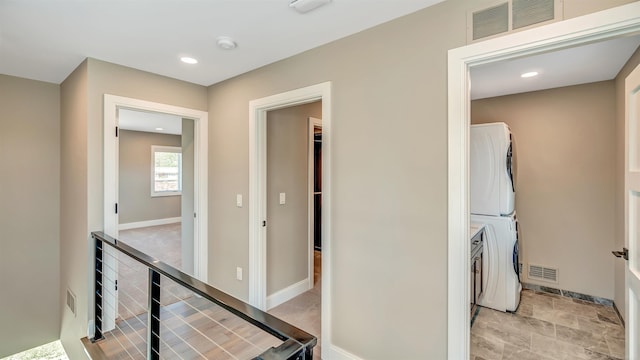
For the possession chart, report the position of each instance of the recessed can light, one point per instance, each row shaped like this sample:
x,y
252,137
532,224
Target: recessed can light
x,y
529,74
188,60
160,129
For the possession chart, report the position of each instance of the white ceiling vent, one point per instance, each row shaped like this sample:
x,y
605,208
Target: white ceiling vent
x,y
511,15
537,272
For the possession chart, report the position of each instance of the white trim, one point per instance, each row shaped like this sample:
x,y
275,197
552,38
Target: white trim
x,y
288,293
201,118
257,206
598,26
337,353
147,223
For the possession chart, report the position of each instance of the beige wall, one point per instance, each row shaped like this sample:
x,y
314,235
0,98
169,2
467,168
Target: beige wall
x,y
388,174
29,214
74,236
84,97
619,265
565,146
135,202
287,172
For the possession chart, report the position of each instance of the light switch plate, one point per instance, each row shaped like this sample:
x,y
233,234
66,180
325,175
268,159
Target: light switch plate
x,y
283,198
239,200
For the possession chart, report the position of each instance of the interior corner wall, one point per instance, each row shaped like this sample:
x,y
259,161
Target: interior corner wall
x,y
135,203
619,265
565,143
82,179
74,236
287,172
29,215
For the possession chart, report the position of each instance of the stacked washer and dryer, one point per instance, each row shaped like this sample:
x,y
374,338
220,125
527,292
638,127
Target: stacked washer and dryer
x,y
492,202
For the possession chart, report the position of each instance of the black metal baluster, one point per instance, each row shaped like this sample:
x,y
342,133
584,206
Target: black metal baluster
x,y
98,281
153,314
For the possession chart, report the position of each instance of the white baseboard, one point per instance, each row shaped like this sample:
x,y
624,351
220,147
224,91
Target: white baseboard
x,y
141,224
337,353
287,293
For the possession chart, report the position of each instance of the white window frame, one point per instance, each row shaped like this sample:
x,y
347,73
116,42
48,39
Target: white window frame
x,y
168,149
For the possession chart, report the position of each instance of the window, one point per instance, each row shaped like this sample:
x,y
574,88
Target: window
x,y
166,170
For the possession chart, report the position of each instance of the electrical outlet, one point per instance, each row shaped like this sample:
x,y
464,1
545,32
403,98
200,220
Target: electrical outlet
x,y
239,273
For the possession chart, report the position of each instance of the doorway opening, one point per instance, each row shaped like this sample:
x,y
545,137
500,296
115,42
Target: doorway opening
x,y
155,185
185,175
259,219
603,25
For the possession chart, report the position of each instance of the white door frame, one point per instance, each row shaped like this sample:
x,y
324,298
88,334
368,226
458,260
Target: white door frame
x,y
201,118
257,193
597,26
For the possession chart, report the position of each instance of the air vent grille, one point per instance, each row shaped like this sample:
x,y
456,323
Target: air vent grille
x,y
491,21
537,272
507,16
529,12
71,301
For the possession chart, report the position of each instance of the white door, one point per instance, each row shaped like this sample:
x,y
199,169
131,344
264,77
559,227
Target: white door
x,y
632,214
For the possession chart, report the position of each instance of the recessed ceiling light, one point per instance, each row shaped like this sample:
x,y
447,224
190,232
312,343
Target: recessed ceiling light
x,y
160,129
226,43
188,60
529,74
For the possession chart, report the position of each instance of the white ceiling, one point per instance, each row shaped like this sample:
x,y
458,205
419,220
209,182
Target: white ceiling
x,y
578,65
146,121
47,39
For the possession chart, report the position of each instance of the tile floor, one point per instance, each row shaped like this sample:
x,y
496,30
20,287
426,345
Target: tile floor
x,y
548,327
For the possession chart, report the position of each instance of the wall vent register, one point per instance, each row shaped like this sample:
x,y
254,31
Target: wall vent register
x,y
537,272
71,301
511,15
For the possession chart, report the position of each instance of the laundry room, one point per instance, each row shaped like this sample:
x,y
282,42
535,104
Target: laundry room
x,y
568,145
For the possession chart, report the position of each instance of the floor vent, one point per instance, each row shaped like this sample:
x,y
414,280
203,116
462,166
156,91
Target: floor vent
x,y
71,301
537,272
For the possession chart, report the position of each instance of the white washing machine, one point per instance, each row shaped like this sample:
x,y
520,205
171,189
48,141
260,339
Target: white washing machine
x,y
501,272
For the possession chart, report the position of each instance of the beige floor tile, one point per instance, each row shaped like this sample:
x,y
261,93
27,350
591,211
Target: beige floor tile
x,y
488,349
616,347
556,349
556,316
511,352
558,328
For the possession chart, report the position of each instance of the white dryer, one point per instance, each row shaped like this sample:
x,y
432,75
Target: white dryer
x,y
501,273
492,188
